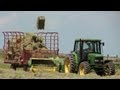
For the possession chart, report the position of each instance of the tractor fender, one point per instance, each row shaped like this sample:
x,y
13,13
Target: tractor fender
x,y
75,57
106,61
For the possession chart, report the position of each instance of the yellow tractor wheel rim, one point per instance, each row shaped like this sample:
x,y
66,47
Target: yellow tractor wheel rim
x,y
82,71
67,66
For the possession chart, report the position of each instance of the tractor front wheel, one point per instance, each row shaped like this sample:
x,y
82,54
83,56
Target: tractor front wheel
x,y
84,68
109,68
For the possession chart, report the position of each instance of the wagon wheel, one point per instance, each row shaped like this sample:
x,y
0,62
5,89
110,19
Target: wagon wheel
x,y
13,66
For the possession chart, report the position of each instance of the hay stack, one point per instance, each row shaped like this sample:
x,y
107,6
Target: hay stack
x,y
29,42
33,42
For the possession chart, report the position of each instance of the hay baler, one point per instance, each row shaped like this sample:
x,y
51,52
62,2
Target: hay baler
x,y
33,58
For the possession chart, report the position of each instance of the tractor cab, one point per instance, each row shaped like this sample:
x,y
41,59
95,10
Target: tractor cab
x,y
87,47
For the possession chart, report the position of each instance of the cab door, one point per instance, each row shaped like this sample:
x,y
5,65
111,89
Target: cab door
x,y
77,51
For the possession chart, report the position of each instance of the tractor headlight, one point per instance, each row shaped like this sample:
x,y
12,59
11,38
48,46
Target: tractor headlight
x,y
99,61
96,60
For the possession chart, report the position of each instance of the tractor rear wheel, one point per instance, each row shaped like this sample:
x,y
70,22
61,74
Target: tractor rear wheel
x,y
69,64
84,68
109,68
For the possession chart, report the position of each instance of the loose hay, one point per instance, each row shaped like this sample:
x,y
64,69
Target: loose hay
x,y
29,42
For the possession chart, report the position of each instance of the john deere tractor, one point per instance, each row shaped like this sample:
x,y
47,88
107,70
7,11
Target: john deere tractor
x,y
87,55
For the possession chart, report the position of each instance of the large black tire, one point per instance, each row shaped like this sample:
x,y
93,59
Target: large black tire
x,y
84,68
69,64
109,68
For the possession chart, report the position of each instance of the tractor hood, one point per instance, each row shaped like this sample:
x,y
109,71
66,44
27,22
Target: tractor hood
x,y
94,56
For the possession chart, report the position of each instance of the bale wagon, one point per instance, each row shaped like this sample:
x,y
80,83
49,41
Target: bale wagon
x,y
46,53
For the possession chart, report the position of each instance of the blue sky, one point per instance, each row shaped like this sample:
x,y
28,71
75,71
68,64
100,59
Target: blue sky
x,y
70,25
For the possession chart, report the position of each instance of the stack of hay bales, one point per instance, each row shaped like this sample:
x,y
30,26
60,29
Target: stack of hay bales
x,y
30,42
33,42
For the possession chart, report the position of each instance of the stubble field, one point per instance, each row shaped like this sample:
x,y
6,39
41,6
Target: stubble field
x,y
7,73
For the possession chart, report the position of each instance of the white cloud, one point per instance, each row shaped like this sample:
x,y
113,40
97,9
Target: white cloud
x,y
9,18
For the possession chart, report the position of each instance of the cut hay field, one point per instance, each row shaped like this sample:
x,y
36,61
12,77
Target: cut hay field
x,y
7,73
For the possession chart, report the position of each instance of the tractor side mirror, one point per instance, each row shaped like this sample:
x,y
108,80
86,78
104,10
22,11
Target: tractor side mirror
x,y
103,43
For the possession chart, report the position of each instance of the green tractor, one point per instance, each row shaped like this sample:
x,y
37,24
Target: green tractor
x,y
87,55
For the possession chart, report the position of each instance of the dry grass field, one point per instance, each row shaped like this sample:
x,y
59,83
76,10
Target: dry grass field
x,y
7,73
20,74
